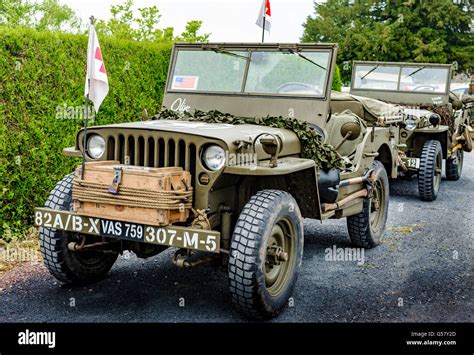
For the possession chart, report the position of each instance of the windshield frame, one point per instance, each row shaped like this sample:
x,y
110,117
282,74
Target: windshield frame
x,y
250,49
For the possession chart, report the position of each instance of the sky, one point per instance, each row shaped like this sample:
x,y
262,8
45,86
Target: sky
x,y
226,20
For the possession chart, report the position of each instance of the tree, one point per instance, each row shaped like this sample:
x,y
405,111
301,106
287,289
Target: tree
x,y
124,24
191,33
337,81
57,17
46,15
438,31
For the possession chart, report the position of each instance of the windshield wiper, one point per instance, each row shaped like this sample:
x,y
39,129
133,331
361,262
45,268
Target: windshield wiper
x,y
370,71
305,58
222,51
416,71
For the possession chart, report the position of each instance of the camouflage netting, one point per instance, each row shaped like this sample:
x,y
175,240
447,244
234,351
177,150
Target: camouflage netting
x,y
444,111
312,146
447,118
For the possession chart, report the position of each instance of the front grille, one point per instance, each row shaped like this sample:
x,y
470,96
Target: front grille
x,y
156,152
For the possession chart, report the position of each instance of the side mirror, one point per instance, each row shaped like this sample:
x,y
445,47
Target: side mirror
x,y
350,131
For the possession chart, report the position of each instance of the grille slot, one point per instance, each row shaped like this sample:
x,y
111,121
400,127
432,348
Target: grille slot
x,y
156,152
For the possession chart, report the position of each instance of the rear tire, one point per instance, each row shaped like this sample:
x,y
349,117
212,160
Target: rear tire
x,y
65,265
260,279
454,166
366,228
429,174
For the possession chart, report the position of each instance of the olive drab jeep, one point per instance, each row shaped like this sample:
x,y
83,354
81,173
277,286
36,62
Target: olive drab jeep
x,y
248,143
437,124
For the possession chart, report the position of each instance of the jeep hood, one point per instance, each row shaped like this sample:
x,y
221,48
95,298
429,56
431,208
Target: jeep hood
x,y
224,132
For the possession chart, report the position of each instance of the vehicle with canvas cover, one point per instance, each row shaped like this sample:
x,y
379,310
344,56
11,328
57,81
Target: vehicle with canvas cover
x,y
244,147
437,123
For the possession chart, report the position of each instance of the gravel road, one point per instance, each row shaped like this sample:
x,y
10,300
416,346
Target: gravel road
x,y
422,272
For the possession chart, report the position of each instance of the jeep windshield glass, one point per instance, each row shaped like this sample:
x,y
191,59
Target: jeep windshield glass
x,y
288,73
252,72
209,71
423,79
376,77
420,79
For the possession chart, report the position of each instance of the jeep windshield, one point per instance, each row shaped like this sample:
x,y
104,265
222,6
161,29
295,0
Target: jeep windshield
x,y
402,83
284,72
403,78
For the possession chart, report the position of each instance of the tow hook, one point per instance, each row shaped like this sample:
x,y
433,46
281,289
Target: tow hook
x,y
184,261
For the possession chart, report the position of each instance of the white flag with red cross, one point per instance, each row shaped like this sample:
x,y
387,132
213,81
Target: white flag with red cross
x,y
97,84
263,20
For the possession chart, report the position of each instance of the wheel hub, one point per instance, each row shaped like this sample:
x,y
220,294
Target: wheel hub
x,y
376,205
375,201
276,255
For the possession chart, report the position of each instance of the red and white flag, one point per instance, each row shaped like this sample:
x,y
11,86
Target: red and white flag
x,y
97,84
264,16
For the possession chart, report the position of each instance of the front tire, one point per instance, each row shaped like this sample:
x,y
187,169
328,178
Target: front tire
x,y
265,254
429,174
366,228
65,265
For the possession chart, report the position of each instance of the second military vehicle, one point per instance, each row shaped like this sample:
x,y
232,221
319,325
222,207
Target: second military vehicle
x,y
436,125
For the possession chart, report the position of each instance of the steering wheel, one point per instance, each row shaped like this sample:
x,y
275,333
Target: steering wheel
x,y
424,88
292,87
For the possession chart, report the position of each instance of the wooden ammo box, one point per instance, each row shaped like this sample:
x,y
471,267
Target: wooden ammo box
x,y
110,190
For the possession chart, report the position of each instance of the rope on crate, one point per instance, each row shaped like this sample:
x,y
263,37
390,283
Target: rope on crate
x,y
96,192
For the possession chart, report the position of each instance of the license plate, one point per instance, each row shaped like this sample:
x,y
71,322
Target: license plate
x,y
173,236
413,163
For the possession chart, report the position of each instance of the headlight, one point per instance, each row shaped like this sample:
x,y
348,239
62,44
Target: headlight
x,y
95,146
318,130
434,119
410,122
214,157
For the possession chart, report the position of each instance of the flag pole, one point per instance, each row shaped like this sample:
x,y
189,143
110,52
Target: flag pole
x,y
86,118
264,19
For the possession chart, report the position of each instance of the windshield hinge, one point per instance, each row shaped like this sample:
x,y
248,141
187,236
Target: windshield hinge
x,y
209,46
287,47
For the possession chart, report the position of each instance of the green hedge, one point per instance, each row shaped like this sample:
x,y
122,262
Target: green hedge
x,y
40,71
336,81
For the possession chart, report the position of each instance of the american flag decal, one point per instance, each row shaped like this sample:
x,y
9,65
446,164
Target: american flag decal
x,y
183,82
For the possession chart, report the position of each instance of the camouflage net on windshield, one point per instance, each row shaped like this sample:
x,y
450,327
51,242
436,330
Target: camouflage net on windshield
x,y
312,147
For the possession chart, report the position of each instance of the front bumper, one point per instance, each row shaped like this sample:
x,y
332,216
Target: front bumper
x,y
172,236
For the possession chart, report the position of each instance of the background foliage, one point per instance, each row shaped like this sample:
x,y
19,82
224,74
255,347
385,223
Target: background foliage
x,y
437,31
42,67
40,71
45,15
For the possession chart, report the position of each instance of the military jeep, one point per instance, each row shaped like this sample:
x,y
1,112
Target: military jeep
x,y
436,124
233,186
